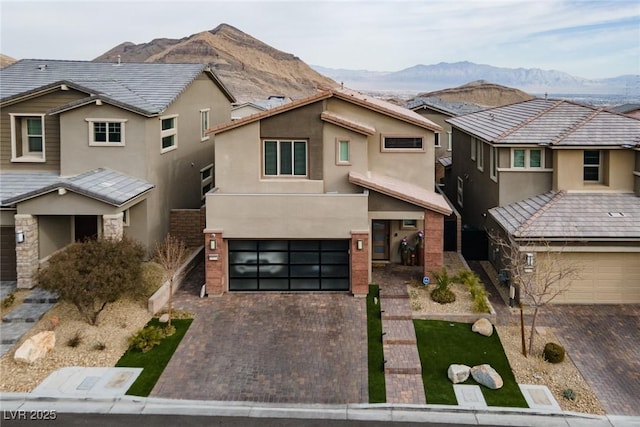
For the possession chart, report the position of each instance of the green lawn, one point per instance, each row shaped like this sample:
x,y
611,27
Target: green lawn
x,y
377,390
155,360
442,343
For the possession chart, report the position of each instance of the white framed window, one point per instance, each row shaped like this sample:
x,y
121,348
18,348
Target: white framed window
x,y
343,152
474,146
436,139
480,154
493,154
527,158
402,143
126,218
106,132
284,158
27,138
592,161
409,224
204,124
449,141
168,133
460,190
206,180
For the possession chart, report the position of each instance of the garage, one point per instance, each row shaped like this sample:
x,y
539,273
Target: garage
x,y
289,265
606,278
7,253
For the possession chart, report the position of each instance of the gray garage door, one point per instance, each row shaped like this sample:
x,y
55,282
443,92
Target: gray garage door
x,y
289,265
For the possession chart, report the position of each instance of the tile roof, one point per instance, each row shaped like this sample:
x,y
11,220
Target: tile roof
x,y
348,95
446,161
102,184
145,87
562,215
402,190
550,122
451,108
625,108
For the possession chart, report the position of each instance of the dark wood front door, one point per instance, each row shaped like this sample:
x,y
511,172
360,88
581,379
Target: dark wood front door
x,y
86,227
380,239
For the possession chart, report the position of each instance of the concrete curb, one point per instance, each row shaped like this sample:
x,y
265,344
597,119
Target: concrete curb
x,y
354,412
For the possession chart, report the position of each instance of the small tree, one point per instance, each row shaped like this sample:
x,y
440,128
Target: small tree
x,y
540,276
170,254
93,273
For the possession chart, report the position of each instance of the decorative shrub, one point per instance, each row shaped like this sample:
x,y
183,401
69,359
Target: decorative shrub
x,y
478,293
146,338
569,394
75,340
9,300
169,330
553,353
442,294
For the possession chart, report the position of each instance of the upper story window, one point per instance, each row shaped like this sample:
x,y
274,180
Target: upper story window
x,y
206,179
474,146
285,158
343,152
480,153
449,142
402,143
106,132
460,191
168,133
528,158
204,124
27,138
592,166
493,154
436,136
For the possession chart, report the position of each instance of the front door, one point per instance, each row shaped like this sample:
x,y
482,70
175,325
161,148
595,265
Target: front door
x,y
380,239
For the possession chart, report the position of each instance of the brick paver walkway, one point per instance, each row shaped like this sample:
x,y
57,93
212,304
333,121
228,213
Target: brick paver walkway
x,y
269,347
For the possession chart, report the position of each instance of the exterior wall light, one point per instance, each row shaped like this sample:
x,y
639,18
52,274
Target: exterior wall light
x,y
212,244
20,236
359,244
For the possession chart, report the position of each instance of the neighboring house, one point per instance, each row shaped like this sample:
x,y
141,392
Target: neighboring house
x,y
99,149
312,192
632,110
560,173
438,111
257,106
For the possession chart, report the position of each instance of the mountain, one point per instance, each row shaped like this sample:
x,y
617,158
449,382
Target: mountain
x,y
480,92
6,60
420,78
248,67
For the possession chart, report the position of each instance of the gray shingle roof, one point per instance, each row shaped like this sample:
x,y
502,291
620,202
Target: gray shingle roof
x,y
102,184
572,216
550,122
146,87
453,108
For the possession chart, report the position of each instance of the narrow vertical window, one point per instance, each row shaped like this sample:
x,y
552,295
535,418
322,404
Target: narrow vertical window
x,y
480,154
473,148
449,141
436,136
204,124
460,190
494,163
342,152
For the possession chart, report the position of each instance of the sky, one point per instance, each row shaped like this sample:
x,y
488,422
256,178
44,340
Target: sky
x,y
585,38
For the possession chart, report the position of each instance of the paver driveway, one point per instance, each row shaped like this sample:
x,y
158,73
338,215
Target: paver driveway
x,y
301,348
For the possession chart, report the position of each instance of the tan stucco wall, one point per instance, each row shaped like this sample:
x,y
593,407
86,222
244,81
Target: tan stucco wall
x,y
137,230
67,204
616,171
54,233
6,217
336,176
519,185
439,119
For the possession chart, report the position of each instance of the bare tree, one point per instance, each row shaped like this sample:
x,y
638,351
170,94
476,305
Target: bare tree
x,y
540,275
170,254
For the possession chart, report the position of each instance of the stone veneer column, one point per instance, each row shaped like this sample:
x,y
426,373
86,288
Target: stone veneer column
x,y
360,263
113,226
433,242
27,252
215,268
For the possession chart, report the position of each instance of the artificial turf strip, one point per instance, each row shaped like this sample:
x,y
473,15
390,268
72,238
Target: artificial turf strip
x,y
155,360
377,388
442,343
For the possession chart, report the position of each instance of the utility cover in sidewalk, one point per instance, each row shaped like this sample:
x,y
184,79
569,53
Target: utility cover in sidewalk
x,y
85,382
539,397
469,396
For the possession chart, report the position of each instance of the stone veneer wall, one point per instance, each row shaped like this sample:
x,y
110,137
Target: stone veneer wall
x,y
187,224
113,226
27,252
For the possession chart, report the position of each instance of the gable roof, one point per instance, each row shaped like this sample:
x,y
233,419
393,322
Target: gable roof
x,y
551,123
347,95
102,184
147,88
449,108
573,216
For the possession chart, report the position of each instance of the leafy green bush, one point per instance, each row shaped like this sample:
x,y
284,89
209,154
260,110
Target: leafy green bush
x,y
8,300
152,277
553,353
146,338
569,394
442,294
476,289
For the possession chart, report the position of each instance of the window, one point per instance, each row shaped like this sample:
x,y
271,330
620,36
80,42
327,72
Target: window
x,y
528,158
436,136
460,189
126,218
480,153
206,180
285,158
449,142
493,154
409,224
168,133
591,166
413,143
343,155
106,132
204,124
27,138
474,143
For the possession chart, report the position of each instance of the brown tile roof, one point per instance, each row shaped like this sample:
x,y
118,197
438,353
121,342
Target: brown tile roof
x,y
401,190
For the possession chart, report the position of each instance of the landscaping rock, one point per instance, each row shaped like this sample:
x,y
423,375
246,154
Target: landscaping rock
x,y
487,376
35,347
164,318
483,327
458,373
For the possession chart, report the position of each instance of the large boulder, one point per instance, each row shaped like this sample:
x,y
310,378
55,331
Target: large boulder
x,y
458,373
35,347
483,327
487,376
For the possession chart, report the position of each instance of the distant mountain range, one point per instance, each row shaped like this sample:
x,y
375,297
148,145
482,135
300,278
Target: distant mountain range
x,y
421,78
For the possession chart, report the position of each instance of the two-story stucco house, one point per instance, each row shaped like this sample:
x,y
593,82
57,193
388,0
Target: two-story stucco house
x,y
308,194
552,172
100,149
